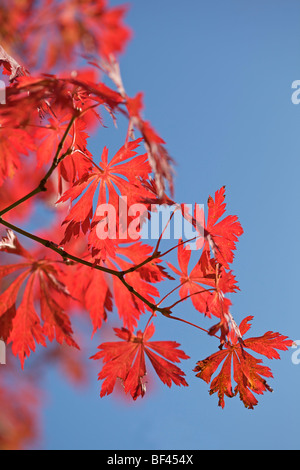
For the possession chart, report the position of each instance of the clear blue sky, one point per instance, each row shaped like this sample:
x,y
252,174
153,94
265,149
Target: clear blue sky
x,y
217,80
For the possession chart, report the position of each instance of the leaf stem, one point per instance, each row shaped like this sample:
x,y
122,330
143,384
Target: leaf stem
x,y
189,323
190,295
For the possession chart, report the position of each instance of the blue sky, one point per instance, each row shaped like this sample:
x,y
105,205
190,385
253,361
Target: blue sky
x,y
217,81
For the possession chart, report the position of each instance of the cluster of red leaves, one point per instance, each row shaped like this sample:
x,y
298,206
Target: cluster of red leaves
x,y
68,28
48,119
248,371
159,158
44,281
211,278
38,123
207,285
45,127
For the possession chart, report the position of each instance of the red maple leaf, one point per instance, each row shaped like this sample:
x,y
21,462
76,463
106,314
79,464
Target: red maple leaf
x,y
22,326
125,171
125,360
248,371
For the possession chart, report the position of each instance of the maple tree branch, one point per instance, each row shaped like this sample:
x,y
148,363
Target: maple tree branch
x,y
51,245
67,256
54,247
166,311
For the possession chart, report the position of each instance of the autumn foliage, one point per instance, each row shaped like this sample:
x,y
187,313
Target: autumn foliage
x,y
56,57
